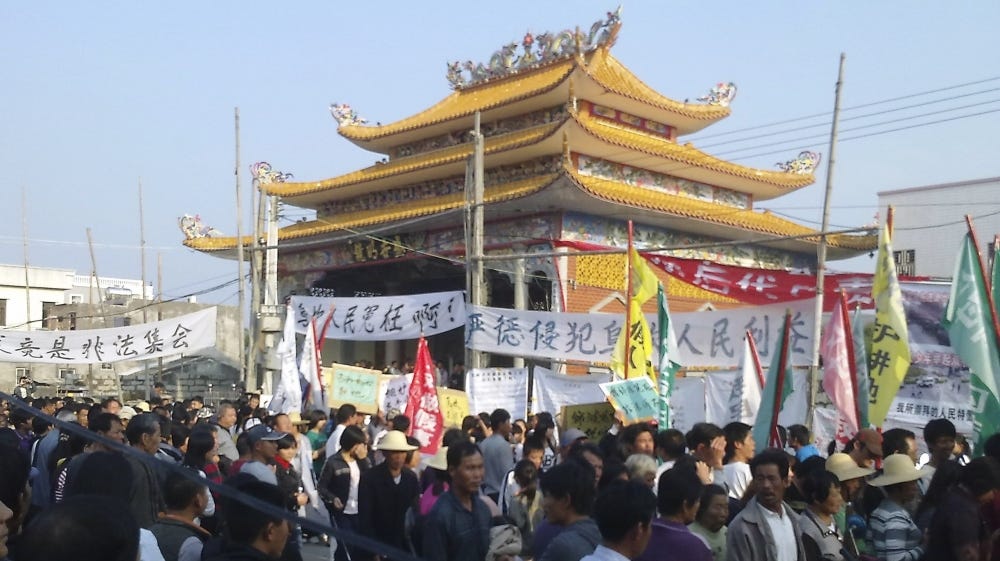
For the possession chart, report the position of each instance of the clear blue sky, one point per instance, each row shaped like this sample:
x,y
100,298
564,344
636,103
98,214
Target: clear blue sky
x,y
99,94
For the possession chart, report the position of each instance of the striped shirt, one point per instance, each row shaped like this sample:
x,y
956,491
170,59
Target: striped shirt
x,y
893,534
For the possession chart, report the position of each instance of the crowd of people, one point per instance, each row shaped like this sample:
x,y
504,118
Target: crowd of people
x,y
179,481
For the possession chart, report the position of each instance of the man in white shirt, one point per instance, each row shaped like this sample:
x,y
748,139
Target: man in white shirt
x,y
739,451
766,529
624,514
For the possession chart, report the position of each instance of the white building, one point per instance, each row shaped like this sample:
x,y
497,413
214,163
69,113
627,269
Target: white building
x,y
929,222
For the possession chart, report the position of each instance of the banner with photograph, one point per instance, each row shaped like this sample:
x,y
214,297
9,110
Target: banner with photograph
x,y
704,339
382,318
170,337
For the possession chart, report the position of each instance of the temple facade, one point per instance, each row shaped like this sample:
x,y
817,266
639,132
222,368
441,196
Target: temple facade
x,y
576,145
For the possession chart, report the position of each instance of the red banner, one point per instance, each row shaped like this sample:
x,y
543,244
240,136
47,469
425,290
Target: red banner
x,y
422,407
758,286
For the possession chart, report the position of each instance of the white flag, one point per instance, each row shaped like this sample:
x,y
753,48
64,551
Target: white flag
x,y
749,383
309,367
838,377
288,396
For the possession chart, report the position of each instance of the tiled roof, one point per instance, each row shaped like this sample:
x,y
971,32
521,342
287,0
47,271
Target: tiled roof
x,y
407,164
402,211
763,222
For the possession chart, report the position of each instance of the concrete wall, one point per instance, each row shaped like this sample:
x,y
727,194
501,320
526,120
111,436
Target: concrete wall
x,y
931,221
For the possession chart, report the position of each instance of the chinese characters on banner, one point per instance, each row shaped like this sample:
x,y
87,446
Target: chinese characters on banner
x,y
498,388
635,399
180,335
592,418
704,339
382,318
454,407
393,393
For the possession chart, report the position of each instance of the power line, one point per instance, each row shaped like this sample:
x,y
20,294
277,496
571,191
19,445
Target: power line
x,y
825,113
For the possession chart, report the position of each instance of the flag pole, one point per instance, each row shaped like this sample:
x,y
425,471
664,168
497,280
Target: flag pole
x,y
851,364
780,382
628,299
986,281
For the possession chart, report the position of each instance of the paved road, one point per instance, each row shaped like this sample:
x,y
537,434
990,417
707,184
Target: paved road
x,y
315,552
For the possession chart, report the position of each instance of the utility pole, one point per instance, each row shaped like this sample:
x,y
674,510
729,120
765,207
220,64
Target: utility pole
x,y
103,309
142,272
259,211
27,278
814,377
239,258
476,257
520,298
269,316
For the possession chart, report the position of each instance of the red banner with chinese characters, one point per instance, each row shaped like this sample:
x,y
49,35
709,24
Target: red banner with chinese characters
x,y
758,286
422,407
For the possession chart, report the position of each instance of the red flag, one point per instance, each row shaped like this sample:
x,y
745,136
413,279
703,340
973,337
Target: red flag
x,y
839,380
426,421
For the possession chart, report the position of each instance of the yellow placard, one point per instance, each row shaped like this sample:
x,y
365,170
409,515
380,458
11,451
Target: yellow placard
x,y
354,385
592,418
454,407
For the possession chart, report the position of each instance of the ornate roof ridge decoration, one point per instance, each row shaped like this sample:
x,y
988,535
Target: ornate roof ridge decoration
x,y
803,164
763,222
194,229
262,173
536,50
412,209
722,94
344,114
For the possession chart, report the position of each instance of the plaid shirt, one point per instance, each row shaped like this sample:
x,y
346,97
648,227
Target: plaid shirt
x,y
893,534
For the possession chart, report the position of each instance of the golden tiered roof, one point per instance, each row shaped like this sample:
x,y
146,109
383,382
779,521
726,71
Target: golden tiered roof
x,y
569,77
607,190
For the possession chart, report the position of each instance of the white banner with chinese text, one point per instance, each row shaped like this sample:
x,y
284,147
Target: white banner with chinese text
x,y
180,335
704,339
382,318
498,388
553,391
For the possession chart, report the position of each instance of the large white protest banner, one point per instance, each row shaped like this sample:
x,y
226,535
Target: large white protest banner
x,y
498,388
180,335
393,393
722,399
382,318
552,391
704,339
687,403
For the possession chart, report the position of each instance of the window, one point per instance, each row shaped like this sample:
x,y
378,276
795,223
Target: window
x,y
21,371
76,299
67,374
906,262
123,321
72,321
105,366
3,312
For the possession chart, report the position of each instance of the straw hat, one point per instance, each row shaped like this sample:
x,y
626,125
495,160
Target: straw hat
x,y
897,468
841,465
439,460
395,441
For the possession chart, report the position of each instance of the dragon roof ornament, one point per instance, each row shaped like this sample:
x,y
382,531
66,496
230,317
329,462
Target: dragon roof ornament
x,y
193,228
536,50
805,163
722,94
263,174
344,114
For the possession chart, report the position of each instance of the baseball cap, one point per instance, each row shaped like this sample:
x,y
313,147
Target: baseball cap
x,y
263,432
871,439
569,436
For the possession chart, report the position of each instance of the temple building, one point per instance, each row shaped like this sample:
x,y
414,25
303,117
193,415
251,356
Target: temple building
x,y
575,146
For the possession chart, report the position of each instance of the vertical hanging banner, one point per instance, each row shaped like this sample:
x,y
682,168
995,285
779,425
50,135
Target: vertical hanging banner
x,y
889,355
839,381
498,388
288,395
382,318
554,391
422,406
159,339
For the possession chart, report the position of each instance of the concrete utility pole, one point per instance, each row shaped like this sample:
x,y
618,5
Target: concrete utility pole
x,y
815,373
520,297
103,309
476,258
239,257
269,316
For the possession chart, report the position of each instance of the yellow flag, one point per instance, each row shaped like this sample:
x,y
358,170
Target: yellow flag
x,y
644,281
889,355
637,349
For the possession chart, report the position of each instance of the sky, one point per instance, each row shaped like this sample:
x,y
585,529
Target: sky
x,y
99,96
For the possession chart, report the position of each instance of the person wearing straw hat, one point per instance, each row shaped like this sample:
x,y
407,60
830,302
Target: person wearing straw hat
x,y
891,531
386,491
852,481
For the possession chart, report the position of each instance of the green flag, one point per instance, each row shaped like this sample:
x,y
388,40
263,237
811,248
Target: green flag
x,y
970,328
669,366
861,366
777,388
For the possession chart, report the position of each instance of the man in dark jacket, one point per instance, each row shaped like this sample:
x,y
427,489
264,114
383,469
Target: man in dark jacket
x,y
252,535
458,526
146,502
386,491
178,535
